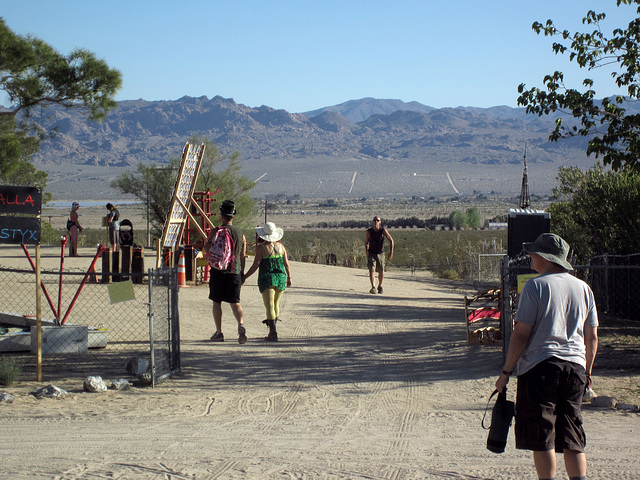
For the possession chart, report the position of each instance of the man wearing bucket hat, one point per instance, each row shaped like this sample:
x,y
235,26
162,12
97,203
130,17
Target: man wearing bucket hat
x,y
274,273
553,345
224,286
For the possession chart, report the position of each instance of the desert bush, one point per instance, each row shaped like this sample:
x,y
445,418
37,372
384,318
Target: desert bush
x,y
449,275
437,251
48,235
89,237
9,371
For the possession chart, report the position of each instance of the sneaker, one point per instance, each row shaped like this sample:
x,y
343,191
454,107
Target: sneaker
x,y
242,335
589,395
373,290
217,337
380,289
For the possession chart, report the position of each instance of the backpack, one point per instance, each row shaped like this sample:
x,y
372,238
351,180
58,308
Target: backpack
x,y
222,251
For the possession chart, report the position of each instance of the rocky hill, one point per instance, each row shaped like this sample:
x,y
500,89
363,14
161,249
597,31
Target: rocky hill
x,y
369,137
359,110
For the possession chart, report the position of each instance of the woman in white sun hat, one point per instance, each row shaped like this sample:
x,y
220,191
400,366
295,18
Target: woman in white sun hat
x,y
274,273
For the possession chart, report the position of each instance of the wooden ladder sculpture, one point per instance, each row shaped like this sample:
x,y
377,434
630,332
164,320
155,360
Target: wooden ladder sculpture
x,y
181,200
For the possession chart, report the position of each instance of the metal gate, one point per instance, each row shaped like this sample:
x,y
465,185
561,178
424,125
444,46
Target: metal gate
x,y
164,324
100,336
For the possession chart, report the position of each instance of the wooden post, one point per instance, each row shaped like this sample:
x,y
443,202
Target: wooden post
x,y
38,318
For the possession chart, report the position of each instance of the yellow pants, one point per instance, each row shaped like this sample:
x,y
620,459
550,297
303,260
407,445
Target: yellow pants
x,y
271,298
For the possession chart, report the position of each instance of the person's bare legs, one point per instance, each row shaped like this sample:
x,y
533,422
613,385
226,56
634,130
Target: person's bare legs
x,y
575,463
372,279
236,308
545,463
217,316
380,277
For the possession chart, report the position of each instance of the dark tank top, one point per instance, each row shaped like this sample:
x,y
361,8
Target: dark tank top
x,y
376,241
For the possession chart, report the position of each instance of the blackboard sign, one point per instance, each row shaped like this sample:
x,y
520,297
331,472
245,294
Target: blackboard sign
x,y
20,230
23,200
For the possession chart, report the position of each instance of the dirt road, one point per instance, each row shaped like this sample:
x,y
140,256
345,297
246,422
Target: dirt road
x,y
360,386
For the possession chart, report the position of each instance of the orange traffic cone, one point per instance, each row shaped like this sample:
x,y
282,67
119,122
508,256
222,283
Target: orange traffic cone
x,y
182,272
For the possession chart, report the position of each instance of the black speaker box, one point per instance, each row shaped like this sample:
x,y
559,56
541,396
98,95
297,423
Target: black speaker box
x,y
525,226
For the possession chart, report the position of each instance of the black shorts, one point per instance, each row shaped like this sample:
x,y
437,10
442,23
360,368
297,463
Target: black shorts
x,y
549,407
224,287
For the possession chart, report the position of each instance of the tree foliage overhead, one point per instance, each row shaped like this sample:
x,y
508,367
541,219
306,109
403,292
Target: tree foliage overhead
x,y
33,74
597,210
16,146
615,135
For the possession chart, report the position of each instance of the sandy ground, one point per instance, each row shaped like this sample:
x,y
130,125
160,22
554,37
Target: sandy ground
x,y
359,386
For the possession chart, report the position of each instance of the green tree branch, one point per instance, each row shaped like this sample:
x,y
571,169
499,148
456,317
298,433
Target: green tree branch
x,y
615,134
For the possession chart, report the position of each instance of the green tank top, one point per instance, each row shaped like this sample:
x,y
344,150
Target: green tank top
x,y
272,272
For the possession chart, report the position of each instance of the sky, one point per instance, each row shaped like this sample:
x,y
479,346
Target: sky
x,y
301,55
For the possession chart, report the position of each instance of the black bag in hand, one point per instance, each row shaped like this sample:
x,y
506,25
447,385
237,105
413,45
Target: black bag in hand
x,y
501,418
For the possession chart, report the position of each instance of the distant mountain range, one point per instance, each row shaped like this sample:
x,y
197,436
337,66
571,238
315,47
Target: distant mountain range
x,y
357,111
358,136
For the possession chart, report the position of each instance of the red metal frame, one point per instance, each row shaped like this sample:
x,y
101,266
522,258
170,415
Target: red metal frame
x,y
90,273
190,234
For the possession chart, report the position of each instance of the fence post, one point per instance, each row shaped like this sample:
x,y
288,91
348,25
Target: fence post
x,y
151,332
505,315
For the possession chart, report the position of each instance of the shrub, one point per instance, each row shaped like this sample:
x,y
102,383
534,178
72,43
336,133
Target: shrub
x,y
48,236
9,371
437,251
449,275
89,237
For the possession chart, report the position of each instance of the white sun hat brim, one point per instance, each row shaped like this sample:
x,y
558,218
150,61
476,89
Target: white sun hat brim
x,y
269,232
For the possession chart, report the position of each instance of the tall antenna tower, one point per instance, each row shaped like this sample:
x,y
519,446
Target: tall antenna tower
x,y
525,200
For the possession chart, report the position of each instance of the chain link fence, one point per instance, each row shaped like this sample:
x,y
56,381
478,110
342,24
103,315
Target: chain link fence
x,y
164,324
489,267
89,326
615,281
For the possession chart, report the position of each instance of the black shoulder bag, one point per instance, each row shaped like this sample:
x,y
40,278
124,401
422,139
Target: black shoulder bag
x,y
501,417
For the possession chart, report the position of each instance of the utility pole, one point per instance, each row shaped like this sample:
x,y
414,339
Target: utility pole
x,y
525,200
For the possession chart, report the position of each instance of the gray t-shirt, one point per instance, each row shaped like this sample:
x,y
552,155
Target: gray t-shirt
x,y
558,306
